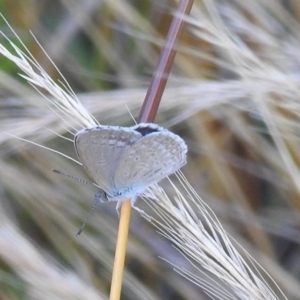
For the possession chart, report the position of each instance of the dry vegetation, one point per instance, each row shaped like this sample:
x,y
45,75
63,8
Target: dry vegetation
x,y
232,96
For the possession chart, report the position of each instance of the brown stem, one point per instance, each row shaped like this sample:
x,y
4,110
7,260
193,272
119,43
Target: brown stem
x,y
160,76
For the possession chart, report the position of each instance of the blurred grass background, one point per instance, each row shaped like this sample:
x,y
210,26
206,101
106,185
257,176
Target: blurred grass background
x,y
233,96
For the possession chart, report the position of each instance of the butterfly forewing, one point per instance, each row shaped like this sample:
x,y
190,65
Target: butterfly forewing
x,y
100,149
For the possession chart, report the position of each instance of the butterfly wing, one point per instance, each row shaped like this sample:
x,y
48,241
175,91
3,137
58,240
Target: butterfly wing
x,y
100,149
150,159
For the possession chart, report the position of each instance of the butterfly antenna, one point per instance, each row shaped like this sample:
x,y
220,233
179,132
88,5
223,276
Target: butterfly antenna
x,y
74,178
97,200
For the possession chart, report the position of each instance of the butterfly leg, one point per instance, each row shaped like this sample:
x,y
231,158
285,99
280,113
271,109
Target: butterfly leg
x,y
101,197
138,210
118,207
132,201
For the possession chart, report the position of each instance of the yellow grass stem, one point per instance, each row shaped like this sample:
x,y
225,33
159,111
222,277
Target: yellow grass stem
x,y
116,283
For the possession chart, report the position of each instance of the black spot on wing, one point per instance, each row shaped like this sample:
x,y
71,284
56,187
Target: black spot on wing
x,y
147,128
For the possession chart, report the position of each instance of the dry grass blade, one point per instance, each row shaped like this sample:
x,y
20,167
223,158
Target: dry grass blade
x,y
204,242
64,99
235,86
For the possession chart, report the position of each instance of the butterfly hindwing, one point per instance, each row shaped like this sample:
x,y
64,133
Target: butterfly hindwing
x,y
100,149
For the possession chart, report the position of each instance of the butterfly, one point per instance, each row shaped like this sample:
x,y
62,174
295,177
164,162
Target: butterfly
x,y
124,161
